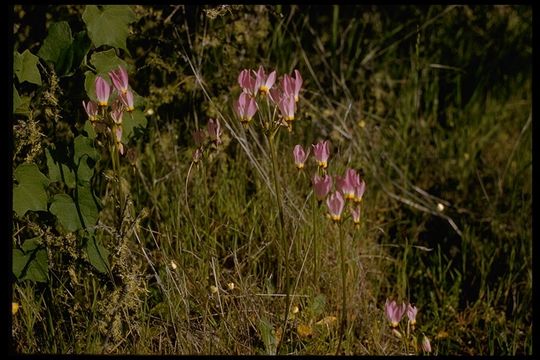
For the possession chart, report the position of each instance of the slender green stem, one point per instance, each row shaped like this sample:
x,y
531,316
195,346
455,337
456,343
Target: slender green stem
x,y
343,288
315,243
284,246
207,209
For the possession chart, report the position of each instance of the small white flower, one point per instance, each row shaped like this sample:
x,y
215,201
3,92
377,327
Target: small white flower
x,y
440,207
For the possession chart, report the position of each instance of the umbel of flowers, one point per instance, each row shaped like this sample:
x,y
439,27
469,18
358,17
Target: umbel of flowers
x,y
280,95
348,188
107,113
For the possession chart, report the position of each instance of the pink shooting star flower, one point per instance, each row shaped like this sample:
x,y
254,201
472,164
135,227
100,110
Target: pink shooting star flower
x,y
118,139
264,83
321,186
292,86
359,191
335,203
91,109
300,156
347,183
103,90
119,79
287,106
117,114
426,345
394,312
247,82
245,107
276,95
127,100
355,212
411,314
321,151
214,130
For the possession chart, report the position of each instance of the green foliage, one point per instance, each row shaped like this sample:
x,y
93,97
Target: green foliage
x,y
62,49
98,255
105,61
109,25
268,336
30,192
57,48
317,305
130,122
58,170
87,206
31,262
84,147
64,208
25,67
16,99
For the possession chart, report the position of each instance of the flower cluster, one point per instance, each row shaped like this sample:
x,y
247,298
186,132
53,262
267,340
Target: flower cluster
x,y
204,139
395,311
283,95
120,100
350,187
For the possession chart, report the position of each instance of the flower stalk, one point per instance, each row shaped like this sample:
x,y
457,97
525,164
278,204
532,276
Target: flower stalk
x,y
343,289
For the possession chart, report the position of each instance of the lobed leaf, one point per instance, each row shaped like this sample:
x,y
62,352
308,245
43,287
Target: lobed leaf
x,y
109,25
25,67
29,193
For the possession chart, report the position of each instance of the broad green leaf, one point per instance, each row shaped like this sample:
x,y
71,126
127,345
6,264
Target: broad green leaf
x,y
20,260
87,206
31,262
38,267
59,171
105,61
65,210
84,146
20,103
130,121
27,70
98,255
89,129
84,171
56,47
89,85
81,45
30,193
109,25
16,99
32,244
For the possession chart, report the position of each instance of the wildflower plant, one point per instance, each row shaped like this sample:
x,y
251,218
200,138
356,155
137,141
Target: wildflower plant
x,y
395,312
273,103
348,190
107,115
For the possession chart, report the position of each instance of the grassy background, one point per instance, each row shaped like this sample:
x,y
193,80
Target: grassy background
x,y
433,104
